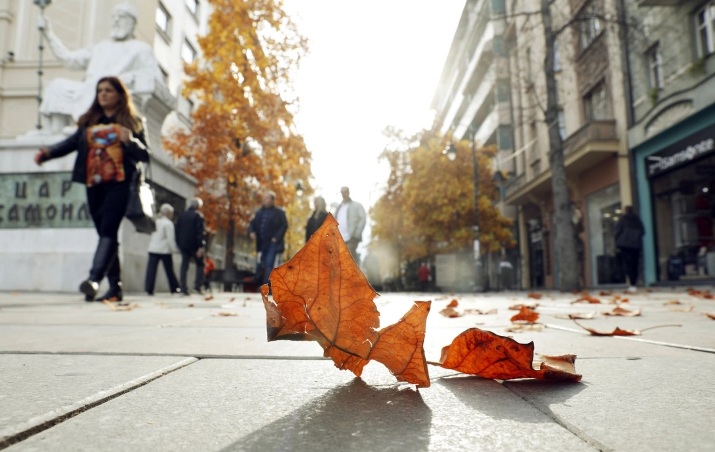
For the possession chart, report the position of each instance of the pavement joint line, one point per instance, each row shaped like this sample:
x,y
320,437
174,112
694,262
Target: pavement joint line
x,y
694,348
583,436
198,356
38,424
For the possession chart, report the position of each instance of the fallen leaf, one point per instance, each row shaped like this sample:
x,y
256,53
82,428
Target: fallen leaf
x,y
618,331
208,297
524,327
617,299
480,311
232,299
450,312
453,304
701,294
605,293
684,308
587,298
711,315
621,312
489,355
577,315
114,306
225,314
520,306
672,302
191,305
320,294
525,315
534,295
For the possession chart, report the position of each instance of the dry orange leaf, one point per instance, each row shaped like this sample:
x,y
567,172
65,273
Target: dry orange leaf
x,y
489,355
711,315
226,314
605,293
320,294
525,315
618,331
453,304
621,312
450,312
672,302
587,298
701,293
534,295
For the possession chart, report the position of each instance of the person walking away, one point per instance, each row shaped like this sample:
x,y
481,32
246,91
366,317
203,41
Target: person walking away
x,y
629,240
424,274
317,217
161,246
350,216
268,228
190,237
109,142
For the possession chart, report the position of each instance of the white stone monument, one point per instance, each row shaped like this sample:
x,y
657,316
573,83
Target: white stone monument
x,y
47,234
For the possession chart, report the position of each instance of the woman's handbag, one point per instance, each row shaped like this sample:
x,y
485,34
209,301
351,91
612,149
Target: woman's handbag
x,y
140,207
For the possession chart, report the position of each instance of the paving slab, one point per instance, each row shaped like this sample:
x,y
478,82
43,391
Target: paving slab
x,y
307,406
38,389
647,404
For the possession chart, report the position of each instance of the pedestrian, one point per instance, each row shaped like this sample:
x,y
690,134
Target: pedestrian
x,y
317,217
109,141
350,216
268,228
190,237
161,246
629,240
424,275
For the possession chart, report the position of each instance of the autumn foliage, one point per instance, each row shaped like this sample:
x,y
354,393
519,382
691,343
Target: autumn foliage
x,y
242,136
428,204
321,295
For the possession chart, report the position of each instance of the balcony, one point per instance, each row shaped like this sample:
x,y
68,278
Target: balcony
x,y
589,145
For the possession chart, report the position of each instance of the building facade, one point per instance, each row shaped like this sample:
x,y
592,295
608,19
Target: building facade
x,y
672,136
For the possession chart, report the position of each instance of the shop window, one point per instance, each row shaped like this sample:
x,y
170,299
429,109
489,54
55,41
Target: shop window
x,y
655,67
705,29
684,217
603,210
163,22
595,103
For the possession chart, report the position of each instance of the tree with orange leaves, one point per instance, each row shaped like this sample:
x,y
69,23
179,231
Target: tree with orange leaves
x,y
242,137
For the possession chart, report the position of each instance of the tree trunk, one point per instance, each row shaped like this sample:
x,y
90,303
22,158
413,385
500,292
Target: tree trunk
x,y
564,238
230,273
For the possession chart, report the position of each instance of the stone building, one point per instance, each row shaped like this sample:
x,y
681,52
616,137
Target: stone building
x,y
48,238
671,53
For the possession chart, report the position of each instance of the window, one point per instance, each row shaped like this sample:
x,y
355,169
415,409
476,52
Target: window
x,y
193,6
595,103
188,53
655,67
589,25
163,21
705,28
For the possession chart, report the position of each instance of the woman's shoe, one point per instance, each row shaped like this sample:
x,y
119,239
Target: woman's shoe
x,y
89,288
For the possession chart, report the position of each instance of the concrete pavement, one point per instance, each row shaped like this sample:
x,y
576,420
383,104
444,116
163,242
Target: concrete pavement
x,y
184,373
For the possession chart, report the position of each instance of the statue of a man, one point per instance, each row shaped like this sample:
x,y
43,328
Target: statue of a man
x,y
124,56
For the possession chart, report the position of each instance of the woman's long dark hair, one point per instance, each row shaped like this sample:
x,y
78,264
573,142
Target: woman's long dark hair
x,y
126,114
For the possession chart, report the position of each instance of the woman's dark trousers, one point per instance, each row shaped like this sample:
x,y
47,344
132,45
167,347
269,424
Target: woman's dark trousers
x,y
151,268
107,204
631,257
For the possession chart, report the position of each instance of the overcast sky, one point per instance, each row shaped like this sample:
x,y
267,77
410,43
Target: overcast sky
x,y
372,64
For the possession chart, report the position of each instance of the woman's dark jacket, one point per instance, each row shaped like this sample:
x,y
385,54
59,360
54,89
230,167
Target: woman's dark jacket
x,y
134,151
629,232
314,222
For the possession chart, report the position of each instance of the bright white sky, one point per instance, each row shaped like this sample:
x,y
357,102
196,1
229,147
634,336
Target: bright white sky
x,y
372,64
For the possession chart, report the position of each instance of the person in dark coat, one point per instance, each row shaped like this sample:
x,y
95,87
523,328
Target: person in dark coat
x,y
109,142
190,237
317,217
268,229
629,241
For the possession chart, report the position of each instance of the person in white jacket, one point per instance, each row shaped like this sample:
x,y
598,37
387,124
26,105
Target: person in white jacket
x,y
161,245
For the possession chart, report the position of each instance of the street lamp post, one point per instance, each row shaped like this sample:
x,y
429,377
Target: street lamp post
x,y
451,152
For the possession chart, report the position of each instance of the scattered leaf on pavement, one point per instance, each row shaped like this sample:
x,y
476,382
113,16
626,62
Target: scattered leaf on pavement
x,y
618,331
524,327
114,306
525,315
320,294
453,304
489,355
208,297
534,295
577,315
481,311
450,312
711,315
225,314
587,298
520,306
605,293
681,308
621,312
701,294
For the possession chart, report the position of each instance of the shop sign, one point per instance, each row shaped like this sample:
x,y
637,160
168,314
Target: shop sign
x,y
682,153
42,200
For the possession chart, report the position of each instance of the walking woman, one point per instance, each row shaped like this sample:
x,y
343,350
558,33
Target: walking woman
x,y
629,240
109,141
317,217
161,245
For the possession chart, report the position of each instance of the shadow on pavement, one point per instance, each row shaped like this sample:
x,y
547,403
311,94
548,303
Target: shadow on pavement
x,y
488,396
355,416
